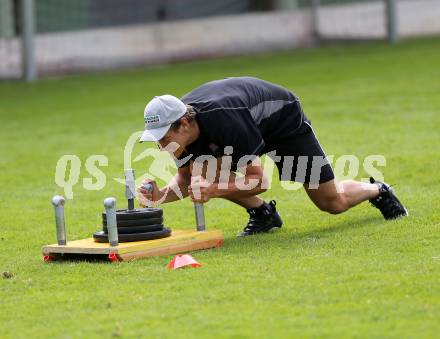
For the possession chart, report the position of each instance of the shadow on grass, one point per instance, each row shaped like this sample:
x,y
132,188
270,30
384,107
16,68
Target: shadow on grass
x,y
284,236
75,257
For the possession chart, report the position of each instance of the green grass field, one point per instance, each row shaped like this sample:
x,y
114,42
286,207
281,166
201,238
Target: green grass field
x,y
351,275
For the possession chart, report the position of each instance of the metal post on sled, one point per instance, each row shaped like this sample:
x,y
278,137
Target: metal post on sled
x,y
130,191
58,203
112,229
200,217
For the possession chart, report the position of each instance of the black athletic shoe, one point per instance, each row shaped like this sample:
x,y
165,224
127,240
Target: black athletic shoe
x,y
262,219
387,202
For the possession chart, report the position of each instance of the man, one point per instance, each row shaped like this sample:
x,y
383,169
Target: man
x,y
239,119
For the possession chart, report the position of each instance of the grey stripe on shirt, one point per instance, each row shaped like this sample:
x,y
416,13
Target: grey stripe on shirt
x,y
266,108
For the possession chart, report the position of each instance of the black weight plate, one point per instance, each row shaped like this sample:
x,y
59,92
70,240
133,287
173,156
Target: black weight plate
x,y
138,222
100,236
140,213
137,229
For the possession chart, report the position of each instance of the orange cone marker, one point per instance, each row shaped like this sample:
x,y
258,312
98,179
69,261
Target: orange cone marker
x,y
182,260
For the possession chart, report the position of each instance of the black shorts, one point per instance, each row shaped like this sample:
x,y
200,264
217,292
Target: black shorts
x,y
301,158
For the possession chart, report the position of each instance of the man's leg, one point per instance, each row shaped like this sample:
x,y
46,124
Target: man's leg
x,y
337,197
262,216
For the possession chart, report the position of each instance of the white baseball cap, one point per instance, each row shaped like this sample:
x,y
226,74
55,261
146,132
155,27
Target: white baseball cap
x,y
159,114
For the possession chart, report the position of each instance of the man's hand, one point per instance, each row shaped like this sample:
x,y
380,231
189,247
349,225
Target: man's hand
x,y
146,198
200,190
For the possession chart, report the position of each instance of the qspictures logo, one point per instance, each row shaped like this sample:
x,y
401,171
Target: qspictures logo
x,y
161,165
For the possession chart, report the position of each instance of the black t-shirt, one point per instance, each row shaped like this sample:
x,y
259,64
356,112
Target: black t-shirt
x,y
246,113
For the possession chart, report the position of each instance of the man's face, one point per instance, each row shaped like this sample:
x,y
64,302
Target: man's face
x,y
174,142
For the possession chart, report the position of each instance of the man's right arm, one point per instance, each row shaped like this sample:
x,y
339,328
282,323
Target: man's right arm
x,y
176,189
